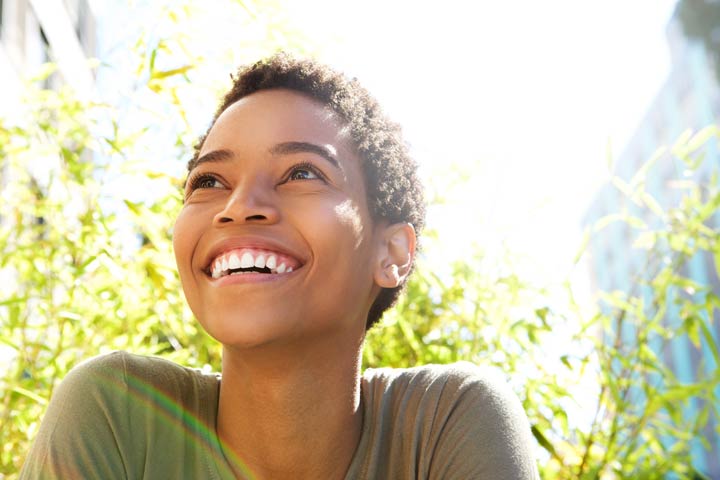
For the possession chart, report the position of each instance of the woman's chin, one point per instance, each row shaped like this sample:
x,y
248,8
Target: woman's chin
x,y
243,333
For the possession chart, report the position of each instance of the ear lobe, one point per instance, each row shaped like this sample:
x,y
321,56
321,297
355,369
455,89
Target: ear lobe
x,y
396,252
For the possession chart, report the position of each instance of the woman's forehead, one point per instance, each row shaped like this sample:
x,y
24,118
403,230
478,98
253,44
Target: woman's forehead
x,y
288,106
280,114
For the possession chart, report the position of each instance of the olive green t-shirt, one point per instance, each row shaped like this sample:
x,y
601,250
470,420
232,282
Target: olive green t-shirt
x,y
128,416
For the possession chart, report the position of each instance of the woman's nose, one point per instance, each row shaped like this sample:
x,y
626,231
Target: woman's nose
x,y
249,203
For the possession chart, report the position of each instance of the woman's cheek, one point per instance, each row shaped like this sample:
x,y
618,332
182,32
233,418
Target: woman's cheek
x,y
348,214
184,242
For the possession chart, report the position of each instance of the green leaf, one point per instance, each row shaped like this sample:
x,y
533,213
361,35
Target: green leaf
x,y
693,330
623,186
701,138
642,172
645,241
716,258
680,144
583,245
13,300
565,361
650,202
607,220
43,72
31,395
161,74
609,156
633,221
710,341
134,207
542,440
153,56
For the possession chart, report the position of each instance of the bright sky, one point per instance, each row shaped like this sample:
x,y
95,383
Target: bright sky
x,y
523,96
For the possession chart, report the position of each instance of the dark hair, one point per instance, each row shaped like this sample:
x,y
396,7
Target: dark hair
x,y
394,192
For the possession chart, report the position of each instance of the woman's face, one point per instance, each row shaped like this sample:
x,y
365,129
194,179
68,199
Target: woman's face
x,y
275,242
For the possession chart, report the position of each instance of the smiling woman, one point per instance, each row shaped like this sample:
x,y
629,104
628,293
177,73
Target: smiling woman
x,y
297,232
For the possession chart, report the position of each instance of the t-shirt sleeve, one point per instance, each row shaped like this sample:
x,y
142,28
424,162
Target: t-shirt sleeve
x,y
84,426
484,430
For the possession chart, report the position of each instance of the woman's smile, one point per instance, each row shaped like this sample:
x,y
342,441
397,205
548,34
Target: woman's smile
x,y
250,254
248,260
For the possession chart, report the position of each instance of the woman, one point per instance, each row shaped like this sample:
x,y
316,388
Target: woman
x,y
297,232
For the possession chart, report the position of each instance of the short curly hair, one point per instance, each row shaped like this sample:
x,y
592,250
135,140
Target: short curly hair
x,y
394,191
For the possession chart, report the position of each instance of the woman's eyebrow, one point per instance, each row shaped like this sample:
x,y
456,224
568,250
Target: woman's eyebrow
x,y
284,148
325,151
222,155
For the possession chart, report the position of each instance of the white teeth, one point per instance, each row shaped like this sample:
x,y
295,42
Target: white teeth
x,y
271,262
234,261
247,261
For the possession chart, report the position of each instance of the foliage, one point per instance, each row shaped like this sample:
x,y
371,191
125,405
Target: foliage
x,y
74,282
71,287
602,399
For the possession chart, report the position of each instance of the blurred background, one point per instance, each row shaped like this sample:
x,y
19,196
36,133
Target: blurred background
x,y
570,154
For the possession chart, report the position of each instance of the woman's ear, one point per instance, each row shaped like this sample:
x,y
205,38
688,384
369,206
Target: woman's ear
x,y
396,251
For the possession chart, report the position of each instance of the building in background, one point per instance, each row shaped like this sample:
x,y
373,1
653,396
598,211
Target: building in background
x,y
689,98
33,32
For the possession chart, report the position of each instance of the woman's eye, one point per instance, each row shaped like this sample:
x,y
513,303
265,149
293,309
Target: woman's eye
x,y
304,172
205,181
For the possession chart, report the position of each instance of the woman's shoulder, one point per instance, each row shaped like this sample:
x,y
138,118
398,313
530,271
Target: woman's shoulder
x,y
457,387
113,412
124,371
120,359
94,375
448,379
468,420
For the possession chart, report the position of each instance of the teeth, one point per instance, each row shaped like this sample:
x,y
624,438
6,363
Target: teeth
x,y
271,262
224,263
247,261
234,261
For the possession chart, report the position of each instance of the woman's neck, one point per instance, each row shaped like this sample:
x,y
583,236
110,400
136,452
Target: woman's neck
x,y
291,412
